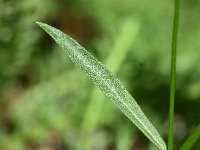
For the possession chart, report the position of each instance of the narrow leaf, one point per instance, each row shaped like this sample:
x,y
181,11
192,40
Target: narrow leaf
x,y
117,51
107,82
192,139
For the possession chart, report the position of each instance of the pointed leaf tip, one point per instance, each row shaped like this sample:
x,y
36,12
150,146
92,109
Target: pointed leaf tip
x,y
38,23
42,25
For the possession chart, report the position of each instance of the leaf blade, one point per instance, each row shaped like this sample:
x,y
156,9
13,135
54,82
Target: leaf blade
x,y
107,82
192,139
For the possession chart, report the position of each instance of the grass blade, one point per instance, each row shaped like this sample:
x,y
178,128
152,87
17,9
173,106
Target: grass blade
x,y
107,82
192,139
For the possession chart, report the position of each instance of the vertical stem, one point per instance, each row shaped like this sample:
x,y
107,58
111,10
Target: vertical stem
x,y
173,74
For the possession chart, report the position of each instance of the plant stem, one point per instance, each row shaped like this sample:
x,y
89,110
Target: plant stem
x,y
173,74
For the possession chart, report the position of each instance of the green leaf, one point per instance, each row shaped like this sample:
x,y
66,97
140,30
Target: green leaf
x,y
191,139
126,35
107,82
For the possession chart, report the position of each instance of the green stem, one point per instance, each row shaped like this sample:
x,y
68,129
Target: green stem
x,y
192,139
173,74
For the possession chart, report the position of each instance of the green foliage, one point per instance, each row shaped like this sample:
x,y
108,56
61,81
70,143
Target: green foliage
x,y
107,82
192,139
39,104
15,44
96,104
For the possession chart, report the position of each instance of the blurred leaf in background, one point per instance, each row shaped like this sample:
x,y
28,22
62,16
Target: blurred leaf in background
x,y
39,103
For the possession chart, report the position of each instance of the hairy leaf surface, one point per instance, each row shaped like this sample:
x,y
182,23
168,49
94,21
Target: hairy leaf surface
x,y
107,82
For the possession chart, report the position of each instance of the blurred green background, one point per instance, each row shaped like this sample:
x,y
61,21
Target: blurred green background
x,y
48,104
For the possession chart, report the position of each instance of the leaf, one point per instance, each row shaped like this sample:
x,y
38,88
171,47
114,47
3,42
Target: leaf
x,y
192,139
126,35
107,82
